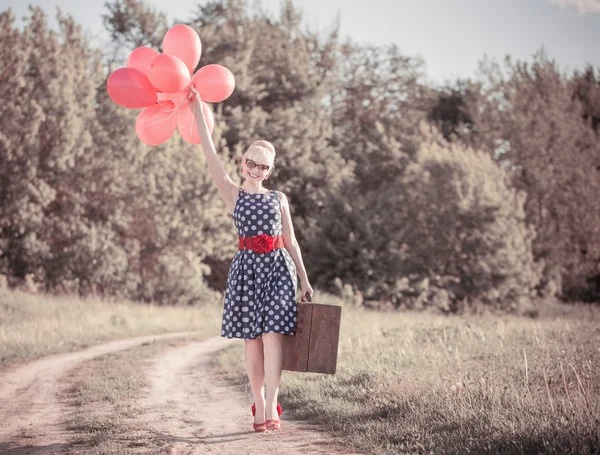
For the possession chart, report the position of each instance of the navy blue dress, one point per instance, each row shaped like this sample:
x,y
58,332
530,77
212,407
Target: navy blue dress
x,y
261,288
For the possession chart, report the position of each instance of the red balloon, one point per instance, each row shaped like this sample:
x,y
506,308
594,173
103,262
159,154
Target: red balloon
x,y
129,88
186,122
182,41
140,59
156,124
168,73
214,83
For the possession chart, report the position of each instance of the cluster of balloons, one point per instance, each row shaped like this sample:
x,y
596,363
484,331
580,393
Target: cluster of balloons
x,y
165,87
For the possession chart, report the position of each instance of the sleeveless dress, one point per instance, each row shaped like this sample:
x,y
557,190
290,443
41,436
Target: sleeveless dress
x,y
260,296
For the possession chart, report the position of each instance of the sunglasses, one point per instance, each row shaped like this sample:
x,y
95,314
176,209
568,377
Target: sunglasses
x,y
251,165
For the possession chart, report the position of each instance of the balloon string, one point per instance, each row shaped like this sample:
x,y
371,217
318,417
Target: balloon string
x,y
163,119
177,107
190,91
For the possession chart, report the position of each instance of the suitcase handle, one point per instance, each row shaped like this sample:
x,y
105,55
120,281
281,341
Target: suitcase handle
x,y
306,298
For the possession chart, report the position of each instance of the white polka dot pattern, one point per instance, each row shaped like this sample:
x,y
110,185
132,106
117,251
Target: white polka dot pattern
x,y
261,288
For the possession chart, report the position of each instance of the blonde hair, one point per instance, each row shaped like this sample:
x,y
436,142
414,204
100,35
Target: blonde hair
x,y
265,144
262,152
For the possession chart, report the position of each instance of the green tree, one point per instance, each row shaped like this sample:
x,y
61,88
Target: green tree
x,y
531,120
87,207
48,87
450,232
449,111
587,91
377,108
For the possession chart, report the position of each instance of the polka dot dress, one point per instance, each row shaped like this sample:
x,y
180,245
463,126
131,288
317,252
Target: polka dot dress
x,y
261,288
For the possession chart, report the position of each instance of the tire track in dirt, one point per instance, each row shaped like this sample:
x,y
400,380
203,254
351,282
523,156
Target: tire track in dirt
x,y
31,412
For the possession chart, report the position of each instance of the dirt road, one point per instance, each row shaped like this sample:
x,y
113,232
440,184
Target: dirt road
x,y
187,407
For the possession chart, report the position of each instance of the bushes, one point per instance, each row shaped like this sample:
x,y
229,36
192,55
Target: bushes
x,y
449,232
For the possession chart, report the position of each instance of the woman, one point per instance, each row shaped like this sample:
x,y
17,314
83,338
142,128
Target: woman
x,y
260,299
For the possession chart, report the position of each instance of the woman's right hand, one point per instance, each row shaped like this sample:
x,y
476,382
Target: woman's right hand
x,y
197,105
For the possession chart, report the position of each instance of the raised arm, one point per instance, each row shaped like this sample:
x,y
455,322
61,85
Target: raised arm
x,y
291,244
227,188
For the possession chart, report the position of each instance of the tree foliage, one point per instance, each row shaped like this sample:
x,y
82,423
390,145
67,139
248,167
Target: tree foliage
x,y
501,204
450,232
48,89
531,118
86,207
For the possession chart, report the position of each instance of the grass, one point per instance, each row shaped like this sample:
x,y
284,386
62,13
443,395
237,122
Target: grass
x,y
406,382
421,383
32,326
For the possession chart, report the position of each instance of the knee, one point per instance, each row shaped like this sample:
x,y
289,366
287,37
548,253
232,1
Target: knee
x,y
253,344
271,339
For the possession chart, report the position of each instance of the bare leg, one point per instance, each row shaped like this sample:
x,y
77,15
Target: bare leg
x,y
256,374
273,366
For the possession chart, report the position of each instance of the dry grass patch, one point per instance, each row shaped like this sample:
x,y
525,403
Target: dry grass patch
x,y
32,326
420,383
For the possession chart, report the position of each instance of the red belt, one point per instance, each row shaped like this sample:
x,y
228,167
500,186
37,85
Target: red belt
x,y
260,243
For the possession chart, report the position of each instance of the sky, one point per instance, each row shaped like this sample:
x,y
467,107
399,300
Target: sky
x,y
451,36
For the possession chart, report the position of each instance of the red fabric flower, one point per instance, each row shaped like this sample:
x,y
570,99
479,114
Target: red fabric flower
x,y
262,243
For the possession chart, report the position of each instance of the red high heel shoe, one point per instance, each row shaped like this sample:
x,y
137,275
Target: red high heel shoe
x,y
275,424
258,427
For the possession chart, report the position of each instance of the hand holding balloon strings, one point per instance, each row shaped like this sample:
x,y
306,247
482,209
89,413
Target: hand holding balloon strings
x,y
163,86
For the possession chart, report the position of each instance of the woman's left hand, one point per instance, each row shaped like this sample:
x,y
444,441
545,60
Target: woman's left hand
x,y
306,288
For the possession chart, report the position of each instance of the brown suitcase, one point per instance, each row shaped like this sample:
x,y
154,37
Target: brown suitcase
x,y
314,347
